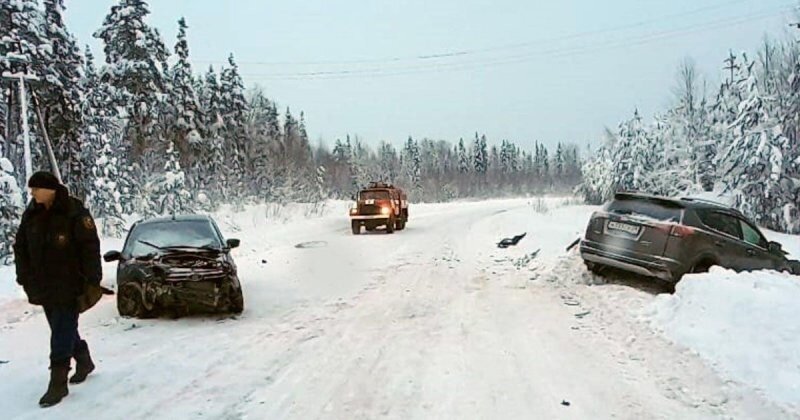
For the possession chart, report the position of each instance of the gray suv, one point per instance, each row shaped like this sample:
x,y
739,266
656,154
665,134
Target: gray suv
x,y
666,238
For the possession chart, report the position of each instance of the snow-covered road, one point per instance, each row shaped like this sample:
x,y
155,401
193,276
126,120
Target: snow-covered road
x,y
431,322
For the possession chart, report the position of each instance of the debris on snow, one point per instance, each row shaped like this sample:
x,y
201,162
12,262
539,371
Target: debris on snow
x,y
524,261
312,244
572,245
506,242
582,314
565,403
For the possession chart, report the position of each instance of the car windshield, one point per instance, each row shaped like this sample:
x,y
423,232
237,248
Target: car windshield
x,y
645,209
155,237
375,195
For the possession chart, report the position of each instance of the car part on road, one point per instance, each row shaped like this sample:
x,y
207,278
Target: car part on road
x,y
507,242
572,245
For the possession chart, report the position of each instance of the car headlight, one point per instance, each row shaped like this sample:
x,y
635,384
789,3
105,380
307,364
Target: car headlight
x,y
385,210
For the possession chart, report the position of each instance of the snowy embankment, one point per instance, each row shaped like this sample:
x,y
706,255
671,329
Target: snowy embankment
x,y
746,325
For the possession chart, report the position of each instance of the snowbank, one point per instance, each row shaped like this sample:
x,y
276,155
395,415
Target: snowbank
x,y
747,325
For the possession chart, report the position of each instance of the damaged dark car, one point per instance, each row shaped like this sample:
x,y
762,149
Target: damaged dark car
x,y
176,266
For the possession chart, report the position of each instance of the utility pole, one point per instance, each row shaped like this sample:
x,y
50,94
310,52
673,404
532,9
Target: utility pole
x,y
21,77
731,62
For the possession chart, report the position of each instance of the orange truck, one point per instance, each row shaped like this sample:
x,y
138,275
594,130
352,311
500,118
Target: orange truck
x,y
380,204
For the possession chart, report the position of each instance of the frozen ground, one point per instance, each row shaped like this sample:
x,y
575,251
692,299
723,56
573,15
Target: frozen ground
x,y
431,322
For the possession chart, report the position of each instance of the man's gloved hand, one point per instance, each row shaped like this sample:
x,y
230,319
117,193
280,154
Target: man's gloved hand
x,y
92,292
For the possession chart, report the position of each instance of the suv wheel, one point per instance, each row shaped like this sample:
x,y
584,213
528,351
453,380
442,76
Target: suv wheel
x,y
701,266
595,268
356,228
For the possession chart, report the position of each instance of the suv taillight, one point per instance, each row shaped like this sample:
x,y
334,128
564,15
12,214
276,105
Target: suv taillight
x,y
680,231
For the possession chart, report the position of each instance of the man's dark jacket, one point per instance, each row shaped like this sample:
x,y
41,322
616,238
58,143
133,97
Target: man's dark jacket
x,y
57,251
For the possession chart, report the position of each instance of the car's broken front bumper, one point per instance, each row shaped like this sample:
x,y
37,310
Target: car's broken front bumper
x,y
187,289
646,265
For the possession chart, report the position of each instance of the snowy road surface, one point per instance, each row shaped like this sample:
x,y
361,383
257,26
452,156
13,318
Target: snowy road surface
x,y
431,322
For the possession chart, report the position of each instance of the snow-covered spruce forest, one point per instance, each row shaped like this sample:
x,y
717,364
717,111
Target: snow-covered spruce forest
x,y
739,139
146,133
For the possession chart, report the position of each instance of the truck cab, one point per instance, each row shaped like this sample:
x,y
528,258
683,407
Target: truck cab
x,y
380,204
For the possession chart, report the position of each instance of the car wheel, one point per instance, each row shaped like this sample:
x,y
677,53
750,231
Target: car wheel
x,y
356,228
129,301
237,301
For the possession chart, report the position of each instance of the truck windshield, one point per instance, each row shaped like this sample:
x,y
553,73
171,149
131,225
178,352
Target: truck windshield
x,y
375,195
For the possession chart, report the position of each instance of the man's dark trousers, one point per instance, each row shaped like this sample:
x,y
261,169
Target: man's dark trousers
x,y
64,337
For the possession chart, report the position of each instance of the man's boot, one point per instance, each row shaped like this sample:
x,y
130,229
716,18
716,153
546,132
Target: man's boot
x,y
57,389
83,363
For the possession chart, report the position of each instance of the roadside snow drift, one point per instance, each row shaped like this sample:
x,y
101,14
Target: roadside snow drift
x,y
747,325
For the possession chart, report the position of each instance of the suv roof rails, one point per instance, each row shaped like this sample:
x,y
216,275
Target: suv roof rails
x,y
705,201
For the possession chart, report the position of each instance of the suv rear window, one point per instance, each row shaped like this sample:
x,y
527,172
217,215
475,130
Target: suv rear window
x,y
646,209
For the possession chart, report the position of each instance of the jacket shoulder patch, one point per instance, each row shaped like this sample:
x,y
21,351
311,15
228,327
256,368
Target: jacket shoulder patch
x,y
88,223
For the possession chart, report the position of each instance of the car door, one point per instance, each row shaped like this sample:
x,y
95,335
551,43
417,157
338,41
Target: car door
x,y
756,248
725,234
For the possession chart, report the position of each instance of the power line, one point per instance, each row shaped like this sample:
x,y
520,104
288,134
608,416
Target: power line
x,y
553,52
520,45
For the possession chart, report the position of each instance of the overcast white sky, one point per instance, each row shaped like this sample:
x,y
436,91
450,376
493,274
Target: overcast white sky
x,y
520,70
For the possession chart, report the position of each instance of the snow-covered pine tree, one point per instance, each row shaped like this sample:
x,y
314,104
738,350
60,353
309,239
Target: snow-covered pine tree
x,y
104,197
463,159
754,164
184,104
109,191
234,108
480,155
167,191
412,166
545,168
260,144
61,99
210,173
633,157
725,109
11,207
135,66
388,162
558,162
597,186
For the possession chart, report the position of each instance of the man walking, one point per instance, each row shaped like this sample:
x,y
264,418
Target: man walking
x,y
57,254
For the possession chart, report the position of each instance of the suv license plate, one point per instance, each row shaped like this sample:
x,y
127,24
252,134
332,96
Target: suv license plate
x,y
624,227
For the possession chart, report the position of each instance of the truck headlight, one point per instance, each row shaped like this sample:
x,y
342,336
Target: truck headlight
x,y
353,211
385,210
